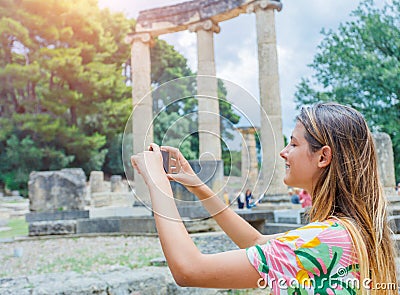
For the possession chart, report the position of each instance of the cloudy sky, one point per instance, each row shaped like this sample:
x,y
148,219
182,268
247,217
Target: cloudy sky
x,y
298,28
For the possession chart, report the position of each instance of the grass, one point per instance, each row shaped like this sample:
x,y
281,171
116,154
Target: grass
x,y
19,227
85,262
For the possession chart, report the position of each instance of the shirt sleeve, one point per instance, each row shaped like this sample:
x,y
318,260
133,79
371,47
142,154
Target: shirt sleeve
x,y
275,261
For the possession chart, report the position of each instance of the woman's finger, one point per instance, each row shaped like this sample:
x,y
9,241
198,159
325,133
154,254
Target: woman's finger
x,y
173,151
134,164
154,147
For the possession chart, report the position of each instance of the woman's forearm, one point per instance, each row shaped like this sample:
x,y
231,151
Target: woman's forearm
x,y
171,229
239,230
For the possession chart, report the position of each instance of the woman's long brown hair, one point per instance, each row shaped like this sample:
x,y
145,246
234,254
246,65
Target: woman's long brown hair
x,y
349,189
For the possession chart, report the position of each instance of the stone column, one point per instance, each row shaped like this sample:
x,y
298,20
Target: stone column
x,y
207,91
272,142
385,159
249,158
142,117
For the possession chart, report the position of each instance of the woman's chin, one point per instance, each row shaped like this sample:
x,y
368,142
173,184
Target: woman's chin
x,y
288,182
285,181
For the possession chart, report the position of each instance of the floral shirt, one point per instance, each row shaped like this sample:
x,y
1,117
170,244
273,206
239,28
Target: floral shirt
x,y
318,258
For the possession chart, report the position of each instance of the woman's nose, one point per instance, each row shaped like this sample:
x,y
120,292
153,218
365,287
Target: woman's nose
x,y
283,153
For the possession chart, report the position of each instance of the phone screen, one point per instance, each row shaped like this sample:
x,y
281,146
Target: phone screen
x,y
165,156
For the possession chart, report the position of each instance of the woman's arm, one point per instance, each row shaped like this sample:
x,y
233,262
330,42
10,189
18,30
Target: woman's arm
x,y
189,267
239,230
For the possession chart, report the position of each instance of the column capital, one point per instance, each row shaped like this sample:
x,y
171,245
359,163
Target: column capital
x,y
264,5
207,25
248,130
141,37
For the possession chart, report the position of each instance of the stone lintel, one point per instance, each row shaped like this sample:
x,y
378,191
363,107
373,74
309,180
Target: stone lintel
x,y
179,17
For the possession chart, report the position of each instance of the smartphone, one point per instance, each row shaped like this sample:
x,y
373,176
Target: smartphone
x,y
166,161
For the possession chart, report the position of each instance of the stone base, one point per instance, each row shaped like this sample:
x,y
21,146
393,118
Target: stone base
x,y
198,226
101,199
193,212
132,225
45,228
122,225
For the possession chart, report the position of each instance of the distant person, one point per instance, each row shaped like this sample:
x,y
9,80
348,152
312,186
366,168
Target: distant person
x,y
398,189
305,199
241,199
294,196
249,199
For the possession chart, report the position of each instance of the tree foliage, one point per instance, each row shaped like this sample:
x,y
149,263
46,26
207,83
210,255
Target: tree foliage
x,y
63,98
359,65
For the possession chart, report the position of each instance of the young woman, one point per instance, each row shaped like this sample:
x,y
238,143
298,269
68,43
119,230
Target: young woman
x,y
347,247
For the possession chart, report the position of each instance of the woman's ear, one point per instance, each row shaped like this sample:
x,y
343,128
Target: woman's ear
x,y
325,157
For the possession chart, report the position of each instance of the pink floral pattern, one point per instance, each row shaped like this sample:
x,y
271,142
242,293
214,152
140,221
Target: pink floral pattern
x,y
318,258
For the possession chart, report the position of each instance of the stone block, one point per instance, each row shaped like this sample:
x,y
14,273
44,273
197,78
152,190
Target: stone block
x,y
98,225
253,215
275,228
138,225
193,211
288,216
59,227
121,199
60,215
51,190
101,199
117,184
199,226
96,181
119,212
210,172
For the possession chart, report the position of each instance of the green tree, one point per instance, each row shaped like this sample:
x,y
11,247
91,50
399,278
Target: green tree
x,y
359,65
61,86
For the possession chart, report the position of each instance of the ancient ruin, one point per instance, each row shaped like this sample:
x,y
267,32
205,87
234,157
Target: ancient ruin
x,y
203,17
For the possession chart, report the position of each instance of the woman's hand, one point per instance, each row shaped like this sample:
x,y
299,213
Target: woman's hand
x,y
149,165
182,172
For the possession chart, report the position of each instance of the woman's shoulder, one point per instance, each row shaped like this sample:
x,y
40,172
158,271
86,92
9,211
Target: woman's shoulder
x,y
330,232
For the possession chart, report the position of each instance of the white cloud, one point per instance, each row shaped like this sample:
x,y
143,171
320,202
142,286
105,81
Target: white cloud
x,y
185,43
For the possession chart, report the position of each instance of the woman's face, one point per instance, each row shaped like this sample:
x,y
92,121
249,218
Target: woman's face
x,y
301,164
